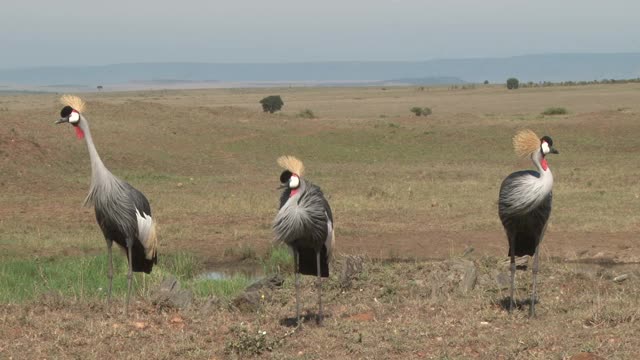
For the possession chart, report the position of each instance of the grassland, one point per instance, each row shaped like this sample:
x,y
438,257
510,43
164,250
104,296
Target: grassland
x,y
402,187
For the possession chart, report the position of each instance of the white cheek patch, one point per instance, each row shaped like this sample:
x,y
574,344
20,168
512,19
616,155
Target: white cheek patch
x,y
74,117
545,148
294,182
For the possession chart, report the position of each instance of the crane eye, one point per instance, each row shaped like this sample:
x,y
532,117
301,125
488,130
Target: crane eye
x,y
74,117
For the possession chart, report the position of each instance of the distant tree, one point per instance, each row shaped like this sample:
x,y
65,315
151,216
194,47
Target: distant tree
x,y
486,82
272,103
512,83
99,87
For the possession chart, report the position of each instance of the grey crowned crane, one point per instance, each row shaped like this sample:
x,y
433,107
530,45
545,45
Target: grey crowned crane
x,y
123,213
304,223
524,205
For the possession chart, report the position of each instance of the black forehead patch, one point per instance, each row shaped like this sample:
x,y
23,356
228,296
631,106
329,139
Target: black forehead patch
x,y
285,176
66,111
547,139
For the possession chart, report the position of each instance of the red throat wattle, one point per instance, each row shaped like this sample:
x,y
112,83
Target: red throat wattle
x,y
544,164
79,132
293,192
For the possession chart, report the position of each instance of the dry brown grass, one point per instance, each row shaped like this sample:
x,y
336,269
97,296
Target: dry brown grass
x,y
392,311
400,186
398,183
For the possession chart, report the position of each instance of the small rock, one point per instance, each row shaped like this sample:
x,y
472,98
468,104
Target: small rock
x,y
270,283
169,294
139,325
621,278
468,251
503,280
469,277
249,301
257,293
212,302
351,269
176,320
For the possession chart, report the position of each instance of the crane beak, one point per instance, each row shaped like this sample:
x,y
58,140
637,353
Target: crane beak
x,y
553,151
62,120
282,186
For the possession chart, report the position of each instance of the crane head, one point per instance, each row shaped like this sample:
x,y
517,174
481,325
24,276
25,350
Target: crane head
x,y
526,143
70,113
546,146
289,180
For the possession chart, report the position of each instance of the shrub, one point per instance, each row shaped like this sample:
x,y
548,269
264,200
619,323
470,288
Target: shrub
x,y
486,82
306,114
272,103
512,83
555,111
426,111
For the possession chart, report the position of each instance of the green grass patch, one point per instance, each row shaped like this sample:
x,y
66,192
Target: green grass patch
x,y
85,278
222,288
555,111
278,260
81,278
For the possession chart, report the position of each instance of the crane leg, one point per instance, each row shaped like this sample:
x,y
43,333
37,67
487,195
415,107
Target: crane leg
x,y
534,289
319,318
512,265
129,278
296,267
110,273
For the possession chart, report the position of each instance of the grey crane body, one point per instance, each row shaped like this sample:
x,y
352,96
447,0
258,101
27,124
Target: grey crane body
x,y
305,223
525,226
117,218
122,212
524,207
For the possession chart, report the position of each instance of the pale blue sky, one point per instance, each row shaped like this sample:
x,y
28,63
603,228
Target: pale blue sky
x,y
74,32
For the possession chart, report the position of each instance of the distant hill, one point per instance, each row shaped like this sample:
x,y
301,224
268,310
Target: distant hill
x,y
546,67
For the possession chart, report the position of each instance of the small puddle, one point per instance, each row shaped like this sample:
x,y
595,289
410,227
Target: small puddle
x,y
251,271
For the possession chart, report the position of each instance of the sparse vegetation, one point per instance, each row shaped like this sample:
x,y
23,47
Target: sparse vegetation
x,y
512,83
555,111
278,259
272,103
246,342
306,114
418,111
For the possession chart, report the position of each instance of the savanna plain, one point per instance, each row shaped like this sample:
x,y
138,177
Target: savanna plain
x,y
415,207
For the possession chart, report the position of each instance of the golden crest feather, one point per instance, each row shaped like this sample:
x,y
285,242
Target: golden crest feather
x,y
292,164
75,102
526,142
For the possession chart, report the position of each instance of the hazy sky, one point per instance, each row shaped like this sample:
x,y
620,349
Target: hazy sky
x,y
74,32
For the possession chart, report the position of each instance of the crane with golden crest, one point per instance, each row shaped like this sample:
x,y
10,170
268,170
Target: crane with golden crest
x,y
524,205
304,223
123,213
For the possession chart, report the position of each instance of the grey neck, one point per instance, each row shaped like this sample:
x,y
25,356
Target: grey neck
x,y
98,170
